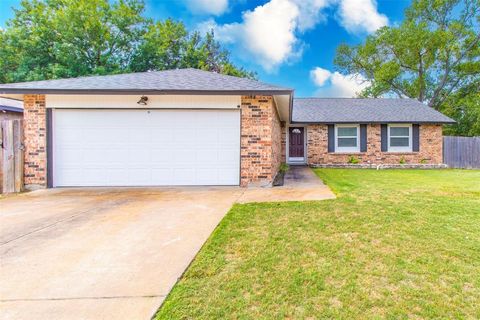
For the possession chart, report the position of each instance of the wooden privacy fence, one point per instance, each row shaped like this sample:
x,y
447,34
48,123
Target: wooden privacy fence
x,y
461,152
11,156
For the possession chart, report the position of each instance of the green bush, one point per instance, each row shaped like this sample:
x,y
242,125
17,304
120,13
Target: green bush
x,y
353,160
284,167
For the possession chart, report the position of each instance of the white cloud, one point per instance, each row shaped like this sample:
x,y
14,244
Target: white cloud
x,y
311,12
270,34
266,35
358,16
320,76
335,84
215,7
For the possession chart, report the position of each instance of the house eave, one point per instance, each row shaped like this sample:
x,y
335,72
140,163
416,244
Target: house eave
x,y
373,122
142,91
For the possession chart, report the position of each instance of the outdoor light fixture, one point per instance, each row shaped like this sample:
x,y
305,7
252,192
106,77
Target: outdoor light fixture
x,y
143,101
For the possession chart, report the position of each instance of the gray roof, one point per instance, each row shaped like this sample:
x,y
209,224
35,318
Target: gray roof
x,y
11,105
345,110
10,109
190,81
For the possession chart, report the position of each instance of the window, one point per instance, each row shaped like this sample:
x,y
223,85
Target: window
x,y
400,138
347,138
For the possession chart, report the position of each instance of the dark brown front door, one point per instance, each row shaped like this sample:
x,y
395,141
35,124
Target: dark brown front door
x,y
296,143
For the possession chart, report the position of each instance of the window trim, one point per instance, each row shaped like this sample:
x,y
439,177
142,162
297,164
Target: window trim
x,y
410,137
347,149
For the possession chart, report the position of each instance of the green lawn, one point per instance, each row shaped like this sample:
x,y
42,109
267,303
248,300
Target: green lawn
x,y
395,244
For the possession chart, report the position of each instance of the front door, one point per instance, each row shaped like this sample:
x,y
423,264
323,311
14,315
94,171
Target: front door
x,y
296,144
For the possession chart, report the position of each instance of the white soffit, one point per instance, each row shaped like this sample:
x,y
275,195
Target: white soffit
x,y
154,101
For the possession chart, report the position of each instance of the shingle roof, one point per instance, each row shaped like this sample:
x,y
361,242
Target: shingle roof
x,y
11,105
10,109
344,110
168,81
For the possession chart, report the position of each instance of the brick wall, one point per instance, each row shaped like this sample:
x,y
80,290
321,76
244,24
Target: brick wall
x,y
276,141
261,149
261,141
35,128
284,142
431,143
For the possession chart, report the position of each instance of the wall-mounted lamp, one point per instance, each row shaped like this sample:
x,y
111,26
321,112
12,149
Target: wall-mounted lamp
x,y
143,101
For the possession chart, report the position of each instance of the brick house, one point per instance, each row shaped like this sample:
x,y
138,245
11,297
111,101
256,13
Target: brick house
x,y
192,127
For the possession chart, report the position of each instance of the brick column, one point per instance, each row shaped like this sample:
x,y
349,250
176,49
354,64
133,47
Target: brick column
x,y
260,141
35,124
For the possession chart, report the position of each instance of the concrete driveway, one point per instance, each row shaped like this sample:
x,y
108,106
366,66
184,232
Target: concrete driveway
x,y
101,253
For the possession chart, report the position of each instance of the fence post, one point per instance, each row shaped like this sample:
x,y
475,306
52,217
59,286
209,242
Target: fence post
x,y
8,160
18,154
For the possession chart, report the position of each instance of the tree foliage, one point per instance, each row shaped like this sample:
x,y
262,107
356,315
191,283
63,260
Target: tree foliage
x,y
432,56
50,39
168,45
464,107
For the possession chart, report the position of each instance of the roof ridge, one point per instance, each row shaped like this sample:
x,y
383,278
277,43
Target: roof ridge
x,y
236,77
85,77
171,80
159,72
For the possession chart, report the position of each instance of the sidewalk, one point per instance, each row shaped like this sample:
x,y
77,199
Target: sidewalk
x,y
301,184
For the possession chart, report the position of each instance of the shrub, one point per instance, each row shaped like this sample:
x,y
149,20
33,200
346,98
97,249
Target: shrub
x,y
353,160
284,167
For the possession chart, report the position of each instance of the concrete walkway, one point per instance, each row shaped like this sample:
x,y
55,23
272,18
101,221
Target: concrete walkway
x,y
114,253
301,184
101,253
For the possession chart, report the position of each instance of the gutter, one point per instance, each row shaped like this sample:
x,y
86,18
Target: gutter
x,y
142,91
373,122
11,109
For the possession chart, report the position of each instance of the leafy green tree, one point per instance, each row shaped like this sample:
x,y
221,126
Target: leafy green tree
x,y
66,38
168,45
49,39
162,47
464,106
432,56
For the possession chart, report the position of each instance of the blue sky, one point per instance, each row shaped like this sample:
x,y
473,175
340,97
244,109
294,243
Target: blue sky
x,y
290,43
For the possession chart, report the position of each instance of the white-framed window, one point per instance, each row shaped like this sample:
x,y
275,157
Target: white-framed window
x,y
400,137
347,138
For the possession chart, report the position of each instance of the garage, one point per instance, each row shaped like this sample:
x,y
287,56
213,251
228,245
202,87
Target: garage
x,y
179,127
132,147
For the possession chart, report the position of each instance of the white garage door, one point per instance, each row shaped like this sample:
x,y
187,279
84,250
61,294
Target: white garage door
x,y
146,147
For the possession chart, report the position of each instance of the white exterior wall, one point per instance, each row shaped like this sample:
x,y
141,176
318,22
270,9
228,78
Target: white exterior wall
x,y
154,102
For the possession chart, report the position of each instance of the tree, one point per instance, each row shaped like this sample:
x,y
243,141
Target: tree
x,y
49,39
162,47
168,45
464,107
67,38
431,55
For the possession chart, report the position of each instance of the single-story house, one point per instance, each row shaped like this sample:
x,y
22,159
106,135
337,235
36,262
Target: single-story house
x,y
192,127
10,109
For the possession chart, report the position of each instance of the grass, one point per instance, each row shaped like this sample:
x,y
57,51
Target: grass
x,y
395,244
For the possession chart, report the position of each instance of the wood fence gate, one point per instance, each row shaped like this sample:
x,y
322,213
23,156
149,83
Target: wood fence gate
x,y
11,156
461,152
